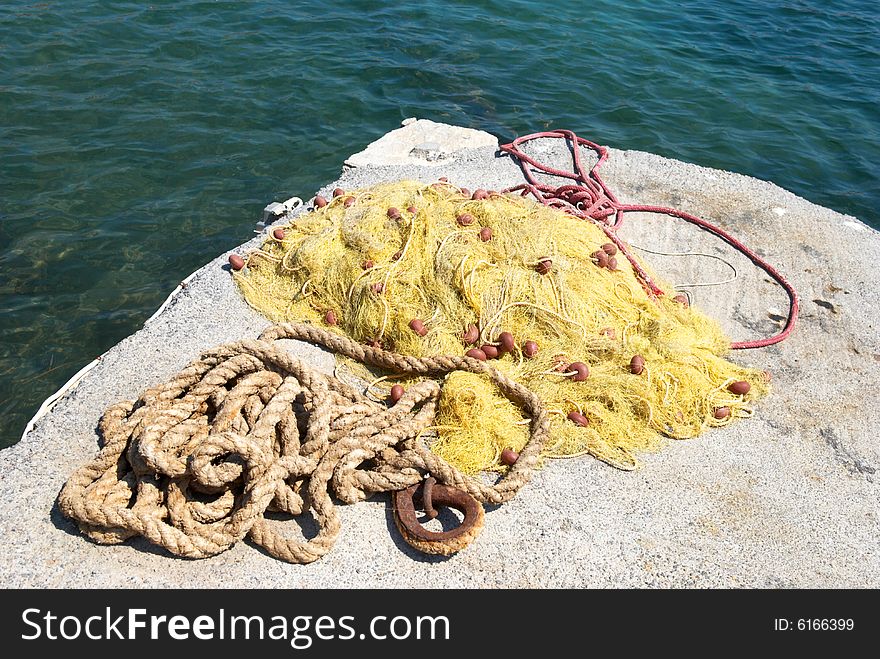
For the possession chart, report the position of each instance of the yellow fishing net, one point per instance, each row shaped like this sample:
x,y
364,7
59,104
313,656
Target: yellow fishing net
x,y
430,258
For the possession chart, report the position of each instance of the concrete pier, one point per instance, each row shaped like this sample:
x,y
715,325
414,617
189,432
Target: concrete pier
x,y
788,498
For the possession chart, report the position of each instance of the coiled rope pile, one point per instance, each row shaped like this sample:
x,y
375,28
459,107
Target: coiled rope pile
x,y
195,464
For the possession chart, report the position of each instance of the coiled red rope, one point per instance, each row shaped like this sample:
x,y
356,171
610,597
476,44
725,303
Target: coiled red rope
x,y
590,199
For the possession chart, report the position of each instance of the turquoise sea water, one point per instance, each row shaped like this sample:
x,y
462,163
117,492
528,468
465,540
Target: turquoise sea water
x,y
138,141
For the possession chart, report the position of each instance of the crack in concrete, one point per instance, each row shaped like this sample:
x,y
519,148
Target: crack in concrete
x,y
853,462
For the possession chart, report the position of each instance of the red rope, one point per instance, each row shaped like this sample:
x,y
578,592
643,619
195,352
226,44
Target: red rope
x,y
590,199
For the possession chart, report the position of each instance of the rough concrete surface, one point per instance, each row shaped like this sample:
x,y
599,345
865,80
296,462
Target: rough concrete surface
x,y
787,498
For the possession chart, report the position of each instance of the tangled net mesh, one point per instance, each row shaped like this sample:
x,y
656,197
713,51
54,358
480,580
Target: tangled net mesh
x,y
376,271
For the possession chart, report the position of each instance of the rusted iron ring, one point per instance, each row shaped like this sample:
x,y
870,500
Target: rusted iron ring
x,y
426,495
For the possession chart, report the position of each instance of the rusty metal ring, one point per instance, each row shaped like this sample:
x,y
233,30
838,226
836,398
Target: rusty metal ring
x,y
444,543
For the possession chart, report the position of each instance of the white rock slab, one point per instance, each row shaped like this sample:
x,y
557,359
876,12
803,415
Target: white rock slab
x,y
421,142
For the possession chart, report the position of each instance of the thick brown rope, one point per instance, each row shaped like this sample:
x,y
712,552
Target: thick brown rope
x,y
195,464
